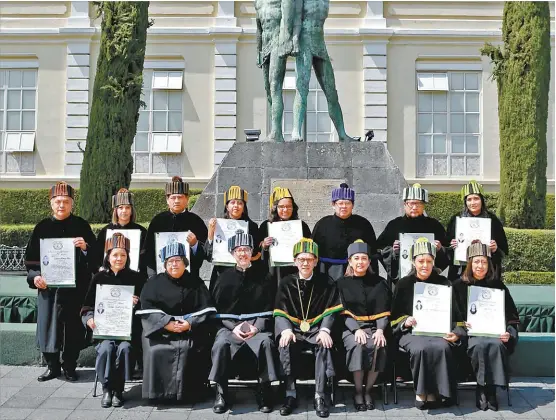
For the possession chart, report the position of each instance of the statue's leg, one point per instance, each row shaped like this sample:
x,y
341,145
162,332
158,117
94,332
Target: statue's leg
x,y
303,76
276,79
327,82
266,71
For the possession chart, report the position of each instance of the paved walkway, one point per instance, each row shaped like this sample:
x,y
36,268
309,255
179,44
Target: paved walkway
x,y
22,397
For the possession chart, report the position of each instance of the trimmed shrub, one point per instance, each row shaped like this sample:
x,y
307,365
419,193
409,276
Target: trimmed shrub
x,y
528,277
530,250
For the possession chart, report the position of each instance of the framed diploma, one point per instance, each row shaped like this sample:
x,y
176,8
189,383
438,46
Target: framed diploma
x,y
166,238
432,308
469,229
113,312
134,236
58,262
406,241
486,311
225,229
286,235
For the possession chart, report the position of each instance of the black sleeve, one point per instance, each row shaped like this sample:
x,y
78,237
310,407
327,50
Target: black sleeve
x,y
100,242
306,230
148,250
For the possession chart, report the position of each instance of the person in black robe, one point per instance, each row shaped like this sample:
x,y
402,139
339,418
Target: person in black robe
x,y
177,219
474,206
282,208
123,218
366,299
305,310
59,326
432,359
244,299
489,355
174,307
114,362
235,207
335,233
413,221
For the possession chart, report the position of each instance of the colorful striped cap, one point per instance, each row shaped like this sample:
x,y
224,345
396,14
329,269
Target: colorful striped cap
x,y
240,239
416,192
472,188
121,198
61,189
306,245
175,249
278,193
177,186
420,247
344,192
358,247
478,249
235,193
117,240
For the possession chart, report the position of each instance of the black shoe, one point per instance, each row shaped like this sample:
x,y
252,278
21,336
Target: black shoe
x,y
369,402
106,401
70,374
49,374
220,405
320,407
422,405
480,398
118,400
359,406
492,402
263,398
289,405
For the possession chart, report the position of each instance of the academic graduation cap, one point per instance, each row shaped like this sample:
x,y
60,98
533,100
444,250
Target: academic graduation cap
x,y
478,249
177,186
121,198
61,189
358,247
472,188
240,239
416,192
117,240
420,247
306,245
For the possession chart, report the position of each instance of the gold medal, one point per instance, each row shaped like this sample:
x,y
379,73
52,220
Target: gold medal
x,y
304,326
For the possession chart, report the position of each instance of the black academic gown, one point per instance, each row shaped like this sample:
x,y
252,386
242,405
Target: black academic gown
x,y
432,359
174,363
278,272
366,301
170,222
404,224
333,235
489,356
114,363
244,296
323,309
59,324
496,233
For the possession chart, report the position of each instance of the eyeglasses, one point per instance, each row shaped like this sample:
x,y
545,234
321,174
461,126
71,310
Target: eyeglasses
x,y
174,262
285,207
412,205
305,260
242,250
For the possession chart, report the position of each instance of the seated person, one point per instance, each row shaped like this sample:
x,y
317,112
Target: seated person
x,y
175,305
366,299
305,310
114,364
432,359
244,297
489,355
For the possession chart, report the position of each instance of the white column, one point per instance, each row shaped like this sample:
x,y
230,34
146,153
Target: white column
x,y
225,14
375,80
374,18
225,99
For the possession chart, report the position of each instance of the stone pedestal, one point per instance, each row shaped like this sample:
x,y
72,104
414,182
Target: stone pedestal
x,y
311,170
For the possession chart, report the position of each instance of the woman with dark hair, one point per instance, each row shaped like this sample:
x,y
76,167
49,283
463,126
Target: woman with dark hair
x,y
473,196
489,355
114,362
235,207
282,208
366,299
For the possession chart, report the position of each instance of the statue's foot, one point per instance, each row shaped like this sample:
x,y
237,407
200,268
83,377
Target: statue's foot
x,y
274,138
345,138
297,138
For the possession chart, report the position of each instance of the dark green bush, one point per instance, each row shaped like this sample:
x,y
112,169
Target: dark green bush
x,y
528,277
530,250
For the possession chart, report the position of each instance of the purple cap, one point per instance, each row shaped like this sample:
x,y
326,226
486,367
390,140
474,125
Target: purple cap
x,y
343,193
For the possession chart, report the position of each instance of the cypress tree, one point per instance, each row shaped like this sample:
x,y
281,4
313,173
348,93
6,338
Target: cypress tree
x,y
522,73
107,161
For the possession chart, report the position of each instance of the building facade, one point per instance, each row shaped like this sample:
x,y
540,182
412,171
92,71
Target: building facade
x,y
409,70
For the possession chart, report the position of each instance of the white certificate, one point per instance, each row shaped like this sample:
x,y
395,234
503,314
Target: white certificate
x,y
406,241
469,229
285,235
432,308
134,236
163,239
225,229
113,312
58,262
486,311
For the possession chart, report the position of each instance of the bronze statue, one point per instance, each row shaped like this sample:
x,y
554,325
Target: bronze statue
x,y
295,28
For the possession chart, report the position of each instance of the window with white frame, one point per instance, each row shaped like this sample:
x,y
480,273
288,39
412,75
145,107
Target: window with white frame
x,y
318,125
18,105
157,148
448,124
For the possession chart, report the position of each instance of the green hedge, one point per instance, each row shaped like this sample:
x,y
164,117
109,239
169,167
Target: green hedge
x,y
31,206
443,205
528,277
530,250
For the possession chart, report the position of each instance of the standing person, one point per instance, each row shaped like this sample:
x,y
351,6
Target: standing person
x,y
244,299
59,326
177,219
335,233
114,363
474,205
175,306
235,207
366,299
413,221
432,359
282,208
306,306
489,355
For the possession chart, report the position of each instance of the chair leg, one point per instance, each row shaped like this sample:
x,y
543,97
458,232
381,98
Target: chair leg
x,y
457,396
95,387
394,383
385,392
508,393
